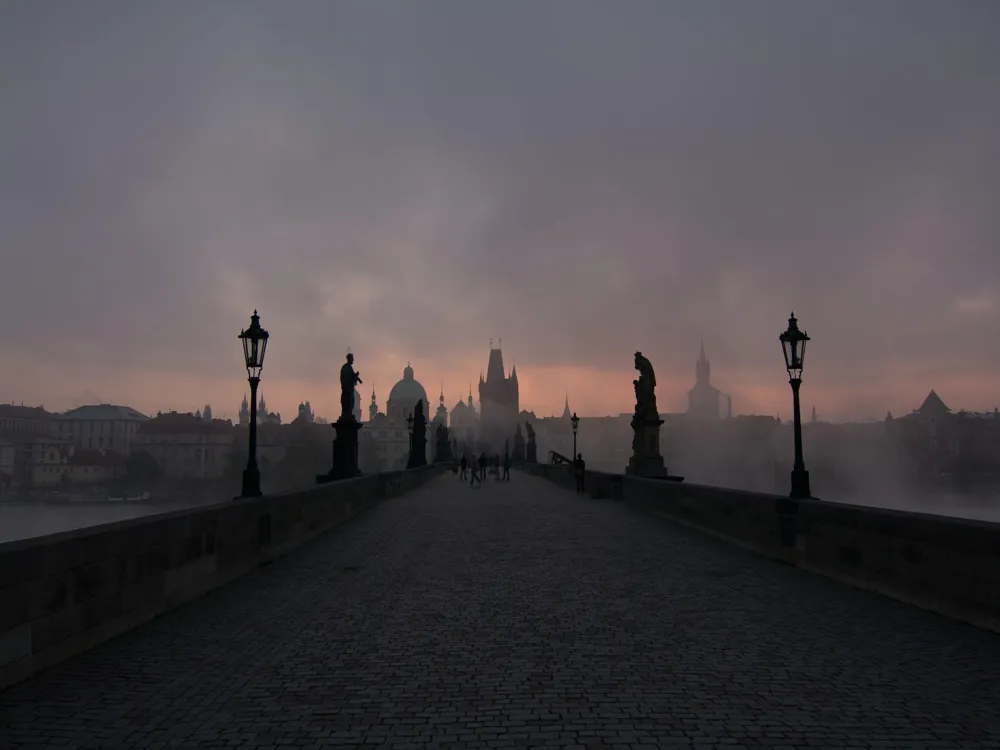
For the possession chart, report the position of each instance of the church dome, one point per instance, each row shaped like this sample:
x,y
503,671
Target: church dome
x,y
408,391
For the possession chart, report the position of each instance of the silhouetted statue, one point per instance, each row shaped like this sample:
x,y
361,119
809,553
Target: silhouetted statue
x,y
645,389
345,444
518,454
646,460
349,379
418,445
442,446
532,450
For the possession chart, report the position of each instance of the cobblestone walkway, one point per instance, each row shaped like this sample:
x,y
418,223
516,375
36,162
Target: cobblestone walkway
x,y
520,615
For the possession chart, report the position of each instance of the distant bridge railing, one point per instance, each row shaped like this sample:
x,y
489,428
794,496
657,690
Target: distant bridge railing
x,y
558,458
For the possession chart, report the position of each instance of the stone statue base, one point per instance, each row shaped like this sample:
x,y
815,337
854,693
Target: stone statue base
x,y
345,451
646,460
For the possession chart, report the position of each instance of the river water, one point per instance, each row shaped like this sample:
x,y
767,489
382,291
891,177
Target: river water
x,y
22,519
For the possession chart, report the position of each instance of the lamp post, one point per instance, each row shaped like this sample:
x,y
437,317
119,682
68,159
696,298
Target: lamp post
x,y
793,344
254,341
576,423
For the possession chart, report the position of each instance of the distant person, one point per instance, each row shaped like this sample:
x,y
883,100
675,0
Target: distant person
x,y
506,467
580,467
482,465
474,474
465,465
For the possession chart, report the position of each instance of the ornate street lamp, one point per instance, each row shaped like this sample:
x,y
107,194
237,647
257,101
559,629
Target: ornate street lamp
x,y
576,423
793,344
254,341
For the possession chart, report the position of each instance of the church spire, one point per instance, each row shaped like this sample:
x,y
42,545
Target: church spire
x,y
566,412
702,368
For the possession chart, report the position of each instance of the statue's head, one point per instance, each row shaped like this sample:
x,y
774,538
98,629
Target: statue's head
x,y
350,358
638,355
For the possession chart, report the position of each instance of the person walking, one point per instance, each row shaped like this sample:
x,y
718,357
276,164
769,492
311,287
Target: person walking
x,y
580,467
465,466
482,465
506,467
474,474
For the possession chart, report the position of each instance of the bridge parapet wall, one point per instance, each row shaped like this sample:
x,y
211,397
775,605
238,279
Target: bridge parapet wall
x,y
943,564
64,593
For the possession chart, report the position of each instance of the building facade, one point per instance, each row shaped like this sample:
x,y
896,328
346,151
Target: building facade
x,y
101,427
186,447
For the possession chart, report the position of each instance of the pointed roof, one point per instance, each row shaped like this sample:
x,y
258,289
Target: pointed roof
x,y
494,369
566,412
933,405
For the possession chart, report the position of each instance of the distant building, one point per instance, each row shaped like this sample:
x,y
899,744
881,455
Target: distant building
x,y
384,442
101,426
404,396
934,441
306,414
499,400
31,430
705,401
70,465
263,415
441,415
187,447
6,464
464,421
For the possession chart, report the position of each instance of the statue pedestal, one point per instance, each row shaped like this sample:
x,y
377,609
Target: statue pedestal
x,y
646,460
345,451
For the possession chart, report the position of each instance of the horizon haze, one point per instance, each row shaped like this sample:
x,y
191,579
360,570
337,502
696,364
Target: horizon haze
x,y
579,179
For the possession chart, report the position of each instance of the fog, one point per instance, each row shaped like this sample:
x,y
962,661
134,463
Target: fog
x,y
579,178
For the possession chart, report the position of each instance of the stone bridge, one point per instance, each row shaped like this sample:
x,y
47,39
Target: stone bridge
x,y
518,615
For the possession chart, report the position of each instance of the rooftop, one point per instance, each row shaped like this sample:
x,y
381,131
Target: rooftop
x,y
104,412
12,411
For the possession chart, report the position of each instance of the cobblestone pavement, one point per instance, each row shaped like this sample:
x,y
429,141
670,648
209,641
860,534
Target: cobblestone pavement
x,y
521,615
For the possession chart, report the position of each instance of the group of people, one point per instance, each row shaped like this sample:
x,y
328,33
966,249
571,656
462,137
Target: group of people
x,y
477,468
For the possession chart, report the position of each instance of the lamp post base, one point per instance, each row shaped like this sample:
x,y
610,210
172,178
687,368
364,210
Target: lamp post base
x,y
800,485
251,482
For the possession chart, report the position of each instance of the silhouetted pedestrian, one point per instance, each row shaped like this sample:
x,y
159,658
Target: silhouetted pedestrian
x,y
474,474
580,467
506,467
465,466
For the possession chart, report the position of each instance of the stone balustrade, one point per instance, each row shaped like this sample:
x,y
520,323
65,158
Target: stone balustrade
x,y
64,593
944,564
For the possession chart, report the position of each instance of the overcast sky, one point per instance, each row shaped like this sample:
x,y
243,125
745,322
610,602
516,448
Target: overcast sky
x,y
582,179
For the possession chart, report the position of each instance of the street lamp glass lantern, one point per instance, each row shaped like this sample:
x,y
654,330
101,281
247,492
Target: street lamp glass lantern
x,y
793,344
254,341
576,422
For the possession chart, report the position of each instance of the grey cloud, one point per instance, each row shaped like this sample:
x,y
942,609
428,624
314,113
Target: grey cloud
x,y
584,178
